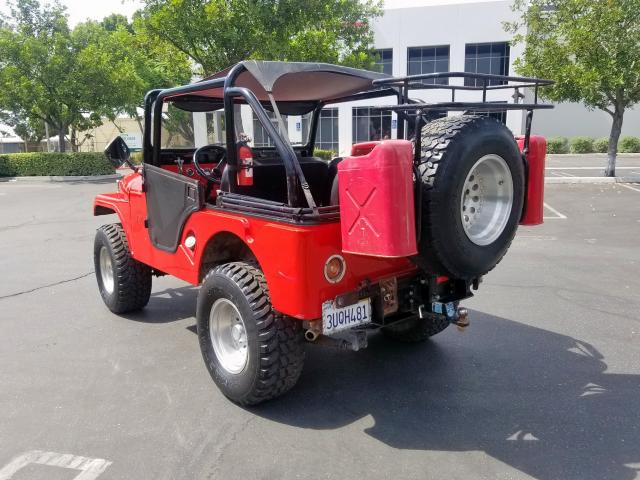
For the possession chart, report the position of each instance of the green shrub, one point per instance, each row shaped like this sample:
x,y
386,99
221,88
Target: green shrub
x,y
43,163
601,145
629,145
136,158
324,154
558,145
582,145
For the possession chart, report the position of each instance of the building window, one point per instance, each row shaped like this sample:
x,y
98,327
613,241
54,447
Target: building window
x,y
428,60
384,61
328,130
371,124
260,136
490,58
501,116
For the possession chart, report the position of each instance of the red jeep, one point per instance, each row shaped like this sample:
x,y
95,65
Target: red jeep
x,y
288,247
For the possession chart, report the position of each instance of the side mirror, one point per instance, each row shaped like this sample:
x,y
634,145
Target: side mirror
x,y
118,152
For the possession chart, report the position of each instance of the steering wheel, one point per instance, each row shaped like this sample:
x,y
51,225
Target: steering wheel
x,y
215,174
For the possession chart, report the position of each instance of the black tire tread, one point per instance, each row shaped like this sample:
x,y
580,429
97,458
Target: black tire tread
x,y
132,278
435,139
280,338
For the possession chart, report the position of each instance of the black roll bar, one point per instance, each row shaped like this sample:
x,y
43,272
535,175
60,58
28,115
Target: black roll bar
x,y
295,177
159,101
147,147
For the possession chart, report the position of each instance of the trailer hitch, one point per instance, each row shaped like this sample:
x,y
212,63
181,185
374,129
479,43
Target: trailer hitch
x,y
457,316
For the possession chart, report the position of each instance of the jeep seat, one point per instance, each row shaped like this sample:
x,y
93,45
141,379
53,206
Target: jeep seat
x,y
270,179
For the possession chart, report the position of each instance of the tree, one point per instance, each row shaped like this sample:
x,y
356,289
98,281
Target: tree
x,y
221,32
41,77
72,79
122,63
590,48
30,130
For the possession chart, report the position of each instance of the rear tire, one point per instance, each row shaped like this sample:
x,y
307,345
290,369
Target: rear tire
x,y
416,329
472,175
124,283
252,352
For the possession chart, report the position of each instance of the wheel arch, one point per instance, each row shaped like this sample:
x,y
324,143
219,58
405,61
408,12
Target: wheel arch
x,y
224,247
109,203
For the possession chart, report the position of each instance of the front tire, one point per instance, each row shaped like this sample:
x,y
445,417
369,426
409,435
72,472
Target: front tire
x,y
252,352
124,283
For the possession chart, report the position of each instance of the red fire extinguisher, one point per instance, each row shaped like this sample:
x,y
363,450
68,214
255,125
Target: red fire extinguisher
x,y
245,165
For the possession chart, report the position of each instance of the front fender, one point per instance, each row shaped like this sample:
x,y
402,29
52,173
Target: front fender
x,y
108,203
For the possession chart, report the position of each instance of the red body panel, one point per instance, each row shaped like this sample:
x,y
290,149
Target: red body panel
x,y
291,256
377,201
534,205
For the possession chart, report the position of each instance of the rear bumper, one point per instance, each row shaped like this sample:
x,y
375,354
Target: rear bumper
x,y
394,298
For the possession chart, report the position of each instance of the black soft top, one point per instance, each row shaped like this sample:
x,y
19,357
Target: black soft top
x,y
298,87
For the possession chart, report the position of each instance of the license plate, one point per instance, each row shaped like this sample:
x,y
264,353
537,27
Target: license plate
x,y
337,319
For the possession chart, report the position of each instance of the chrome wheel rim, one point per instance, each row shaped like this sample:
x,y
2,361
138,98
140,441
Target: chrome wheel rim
x,y
106,270
487,200
228,336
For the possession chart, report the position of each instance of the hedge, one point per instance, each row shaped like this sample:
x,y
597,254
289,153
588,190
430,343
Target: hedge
x,y
582,145
43,163
558,145
324,154
601,145
629,145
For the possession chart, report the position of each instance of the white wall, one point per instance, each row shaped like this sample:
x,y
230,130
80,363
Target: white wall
x,y
572,120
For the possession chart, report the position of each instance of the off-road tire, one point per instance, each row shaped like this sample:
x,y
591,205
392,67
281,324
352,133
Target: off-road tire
x,y
416,329
449,148
274,342
132,279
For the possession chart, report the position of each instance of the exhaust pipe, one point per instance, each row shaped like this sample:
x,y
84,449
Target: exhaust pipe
x,y
311,335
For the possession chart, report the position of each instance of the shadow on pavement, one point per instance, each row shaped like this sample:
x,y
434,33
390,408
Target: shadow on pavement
x,y
538,401
170,305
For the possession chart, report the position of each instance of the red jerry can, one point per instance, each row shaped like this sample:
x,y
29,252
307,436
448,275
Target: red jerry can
x,y
534,198
377,201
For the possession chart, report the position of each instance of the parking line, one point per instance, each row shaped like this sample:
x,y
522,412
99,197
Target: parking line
x,y
629,187
588,168
559,215
90,468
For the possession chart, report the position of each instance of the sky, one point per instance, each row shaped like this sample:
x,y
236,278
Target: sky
x,y
81,10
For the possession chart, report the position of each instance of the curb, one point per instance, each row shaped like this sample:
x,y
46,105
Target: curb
x,y
628,179
62,179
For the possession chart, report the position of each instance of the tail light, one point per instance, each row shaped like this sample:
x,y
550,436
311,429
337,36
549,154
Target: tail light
x,y
245,166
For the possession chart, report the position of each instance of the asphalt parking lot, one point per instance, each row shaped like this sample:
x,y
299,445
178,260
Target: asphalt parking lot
x,y
544,384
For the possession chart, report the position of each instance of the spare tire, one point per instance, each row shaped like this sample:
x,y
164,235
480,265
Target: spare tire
x,y
472,176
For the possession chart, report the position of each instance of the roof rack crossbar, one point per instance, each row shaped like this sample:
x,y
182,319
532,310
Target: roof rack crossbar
x,y
398,81
463,106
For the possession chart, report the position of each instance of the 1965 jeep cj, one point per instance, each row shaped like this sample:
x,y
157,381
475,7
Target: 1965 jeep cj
x,y
290,248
